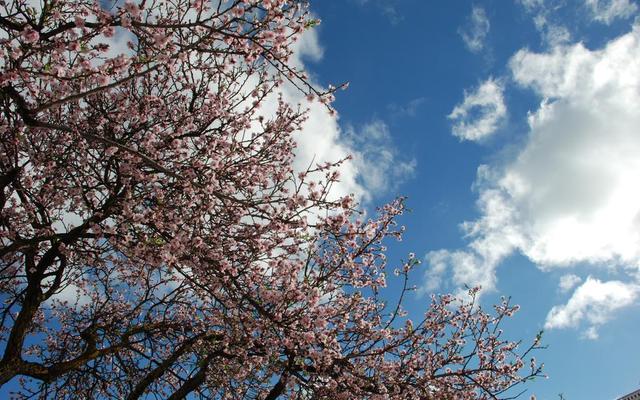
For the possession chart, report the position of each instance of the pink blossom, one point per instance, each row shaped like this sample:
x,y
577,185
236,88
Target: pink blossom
x,y
161,40
238,11
79,21
30,35
133,9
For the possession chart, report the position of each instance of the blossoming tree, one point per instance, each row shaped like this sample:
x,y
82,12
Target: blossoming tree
x,y
156,242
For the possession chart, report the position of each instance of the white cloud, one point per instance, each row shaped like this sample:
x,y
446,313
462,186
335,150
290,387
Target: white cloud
x,y
593,302
568,282
591,333
474,33
571,194
574,184
495,236
381,167
607,11
480,113
552,32
307,48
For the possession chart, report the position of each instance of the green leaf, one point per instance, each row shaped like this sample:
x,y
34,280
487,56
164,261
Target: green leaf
x,y
312,23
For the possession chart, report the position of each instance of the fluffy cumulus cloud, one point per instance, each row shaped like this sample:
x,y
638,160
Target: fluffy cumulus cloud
x,y
593,302
571,195
480,113
474,33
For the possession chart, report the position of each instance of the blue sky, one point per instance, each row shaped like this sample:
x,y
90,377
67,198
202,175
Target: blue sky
x,y
521,117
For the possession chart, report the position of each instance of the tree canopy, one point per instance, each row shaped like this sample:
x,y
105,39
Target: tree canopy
x,y
157,242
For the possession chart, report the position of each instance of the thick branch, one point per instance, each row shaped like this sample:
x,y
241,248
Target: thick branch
x,y
157,372
192,383
13,349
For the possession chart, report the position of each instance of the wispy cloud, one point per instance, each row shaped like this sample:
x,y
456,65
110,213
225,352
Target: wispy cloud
x,y
553,32
408,109
480,113
607,11
384,169
388,8
474,32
